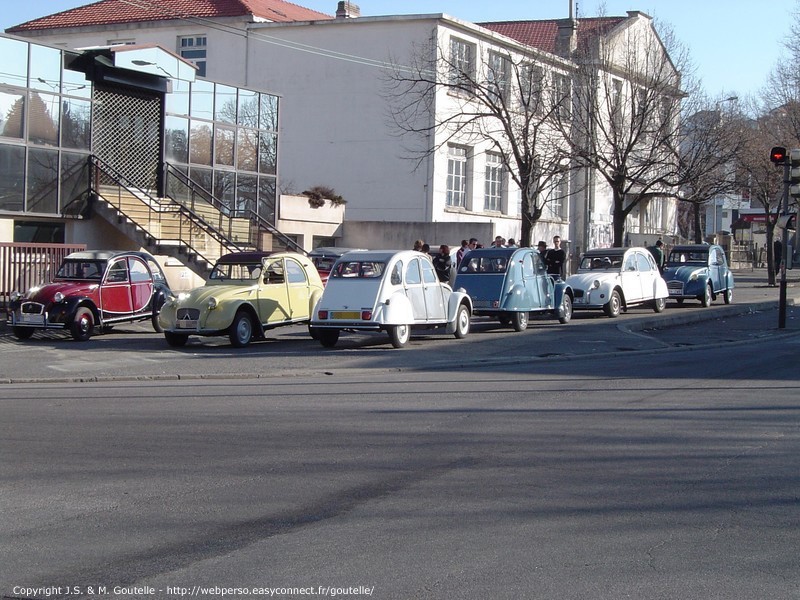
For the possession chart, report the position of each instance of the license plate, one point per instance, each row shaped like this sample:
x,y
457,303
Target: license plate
x,y
675,292
32,319
186,324
346,314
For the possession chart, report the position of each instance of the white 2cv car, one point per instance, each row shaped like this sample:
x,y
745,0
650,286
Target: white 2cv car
x,y
614,279
388,290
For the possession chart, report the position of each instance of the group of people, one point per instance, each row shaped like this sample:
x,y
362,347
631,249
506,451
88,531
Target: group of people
x,y
554,258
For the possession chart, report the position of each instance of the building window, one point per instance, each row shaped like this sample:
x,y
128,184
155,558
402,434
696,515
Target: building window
x,y
558,196
462,64
531,85
456,176
194,48
498,75
493,196
562,95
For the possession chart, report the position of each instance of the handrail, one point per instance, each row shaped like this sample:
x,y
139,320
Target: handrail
x,y
252,216
156,208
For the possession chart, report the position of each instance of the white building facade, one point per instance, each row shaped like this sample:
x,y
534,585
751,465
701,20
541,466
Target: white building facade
x,y
337,130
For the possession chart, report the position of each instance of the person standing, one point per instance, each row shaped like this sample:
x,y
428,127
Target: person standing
x,y
442,263
462,251
658,254
556,259
777,253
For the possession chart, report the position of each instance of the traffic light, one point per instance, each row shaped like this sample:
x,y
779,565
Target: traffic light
x,y
787,222
794,173
778,155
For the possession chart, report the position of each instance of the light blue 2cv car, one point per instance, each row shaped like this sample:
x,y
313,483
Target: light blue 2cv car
x,y
698,272
511,283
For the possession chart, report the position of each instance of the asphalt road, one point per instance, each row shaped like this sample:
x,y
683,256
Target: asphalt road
x,y
653,475
650,456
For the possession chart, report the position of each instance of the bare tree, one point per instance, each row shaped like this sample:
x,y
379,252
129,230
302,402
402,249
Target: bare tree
x,y
500,104
626,120
711,142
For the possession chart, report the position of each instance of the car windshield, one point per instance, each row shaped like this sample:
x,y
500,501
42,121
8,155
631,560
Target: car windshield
x,y
484,264
81,269
367,269
685,257
238,271
601,263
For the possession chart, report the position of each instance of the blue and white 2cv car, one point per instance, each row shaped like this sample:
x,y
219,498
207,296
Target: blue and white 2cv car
x,y
510,283
388,290
614,279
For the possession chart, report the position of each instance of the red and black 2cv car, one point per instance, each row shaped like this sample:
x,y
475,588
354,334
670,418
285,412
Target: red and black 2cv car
x,y
92,289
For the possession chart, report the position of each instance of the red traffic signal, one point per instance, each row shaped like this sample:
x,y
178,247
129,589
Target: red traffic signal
x,y
778,155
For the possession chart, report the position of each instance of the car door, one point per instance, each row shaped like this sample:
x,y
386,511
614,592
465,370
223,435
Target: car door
x,y
648,272
115,291
631,280
273,293
434,293
525,270
412,285
715,263
141,285
298,290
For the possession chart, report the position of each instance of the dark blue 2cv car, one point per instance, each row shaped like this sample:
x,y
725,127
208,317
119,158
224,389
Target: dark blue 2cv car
x,y
510,283
698,272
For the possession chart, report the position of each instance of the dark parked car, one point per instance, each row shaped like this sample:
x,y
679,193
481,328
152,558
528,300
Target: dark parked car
x,y
698,272
511,283
92,289
324,257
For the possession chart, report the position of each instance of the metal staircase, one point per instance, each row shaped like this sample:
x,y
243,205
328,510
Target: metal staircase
x,y
189,224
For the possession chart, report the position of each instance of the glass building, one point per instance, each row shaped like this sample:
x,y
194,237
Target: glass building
x,y
138,109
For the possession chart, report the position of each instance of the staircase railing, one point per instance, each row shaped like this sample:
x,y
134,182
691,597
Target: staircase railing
x,y
109,184
183,190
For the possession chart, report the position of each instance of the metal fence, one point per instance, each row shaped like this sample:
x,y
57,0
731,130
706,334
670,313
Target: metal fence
x,y
24,265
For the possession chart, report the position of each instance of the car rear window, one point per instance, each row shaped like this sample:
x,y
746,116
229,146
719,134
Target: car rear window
x,y
358,269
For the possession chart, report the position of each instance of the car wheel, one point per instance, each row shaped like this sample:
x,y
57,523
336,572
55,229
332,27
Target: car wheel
x,y
462,322
613,307
23,333
82,325
241,330
154,320
565,315
706,299
679,301
328,337
176,340
519,321
728,297
399,334
313,332
659,304
505,321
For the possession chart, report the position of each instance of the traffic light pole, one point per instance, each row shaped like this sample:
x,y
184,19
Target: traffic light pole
x,y
784,246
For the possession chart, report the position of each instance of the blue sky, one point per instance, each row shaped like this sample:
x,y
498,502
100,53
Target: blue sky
x,y
733,42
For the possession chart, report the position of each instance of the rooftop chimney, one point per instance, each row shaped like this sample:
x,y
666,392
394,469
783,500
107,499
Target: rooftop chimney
x,y
347,10
567,39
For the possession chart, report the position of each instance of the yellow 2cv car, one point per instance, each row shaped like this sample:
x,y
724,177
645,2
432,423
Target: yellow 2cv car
x,y
246,294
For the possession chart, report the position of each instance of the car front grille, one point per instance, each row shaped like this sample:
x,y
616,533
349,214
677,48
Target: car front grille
x,y
32,308
675,286
578,293
190,314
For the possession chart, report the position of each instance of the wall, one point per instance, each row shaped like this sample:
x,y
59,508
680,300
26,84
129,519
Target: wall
x,y
380,235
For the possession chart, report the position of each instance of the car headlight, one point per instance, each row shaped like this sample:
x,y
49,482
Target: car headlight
x,y
595,284
212,303
58,297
